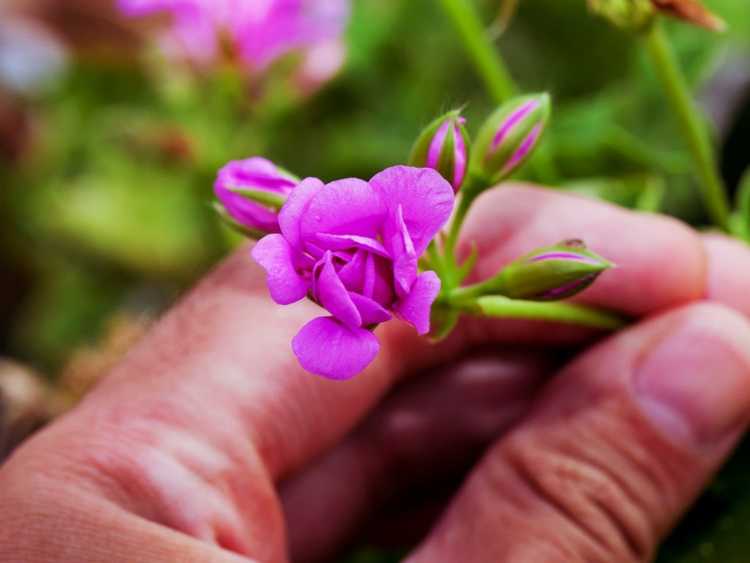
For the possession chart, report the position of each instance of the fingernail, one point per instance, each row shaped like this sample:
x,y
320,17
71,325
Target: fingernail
x,y
695,383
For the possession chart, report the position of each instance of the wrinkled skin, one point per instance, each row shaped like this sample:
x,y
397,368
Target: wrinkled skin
x,y
549,443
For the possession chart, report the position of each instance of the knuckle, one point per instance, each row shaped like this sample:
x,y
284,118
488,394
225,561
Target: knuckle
x,y
605,519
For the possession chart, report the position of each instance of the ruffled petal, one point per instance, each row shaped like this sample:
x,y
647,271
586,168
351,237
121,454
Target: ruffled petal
x,y
405,257
426,197
344,242
415,308
334,297
352,274
275,256
344,207
291,214
370,310
328,348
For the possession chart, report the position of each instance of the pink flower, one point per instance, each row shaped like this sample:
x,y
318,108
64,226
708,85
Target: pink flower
x,y
352,247
256,174
258,31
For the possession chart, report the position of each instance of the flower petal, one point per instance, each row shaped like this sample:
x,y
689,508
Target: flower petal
x,y
326,347
275,256
370,310
405,257
415,308
343,242
353,272
333,295
426,197
344,207
295,207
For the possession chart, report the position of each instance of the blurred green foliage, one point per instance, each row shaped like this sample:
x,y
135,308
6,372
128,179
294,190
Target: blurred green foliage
x,y
110,207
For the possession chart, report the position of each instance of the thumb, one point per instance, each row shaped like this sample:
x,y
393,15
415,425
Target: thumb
x,y
617,448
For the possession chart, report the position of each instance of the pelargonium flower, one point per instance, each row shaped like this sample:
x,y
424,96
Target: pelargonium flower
x,y
259,175
352,247
257,31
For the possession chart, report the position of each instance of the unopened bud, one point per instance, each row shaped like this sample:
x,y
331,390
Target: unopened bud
x,y
444,146
509,136
552,273
252,191
691,11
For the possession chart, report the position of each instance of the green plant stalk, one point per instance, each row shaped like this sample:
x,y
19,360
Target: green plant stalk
x,y
561,312
480,49
469,192
692,123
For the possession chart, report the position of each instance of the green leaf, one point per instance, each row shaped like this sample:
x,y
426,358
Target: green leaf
x,y
442,322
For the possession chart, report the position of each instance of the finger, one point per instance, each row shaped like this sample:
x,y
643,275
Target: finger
x,y
617,448
660,261
728,272
427,433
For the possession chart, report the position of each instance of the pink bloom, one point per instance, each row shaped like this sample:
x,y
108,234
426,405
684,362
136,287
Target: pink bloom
x,y
256,174
259,31
352,247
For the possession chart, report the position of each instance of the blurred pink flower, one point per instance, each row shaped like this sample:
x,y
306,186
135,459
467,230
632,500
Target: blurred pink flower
x,y
257,31
353,247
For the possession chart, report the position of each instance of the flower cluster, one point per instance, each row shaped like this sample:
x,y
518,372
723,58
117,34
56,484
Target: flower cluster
x,y
256,33
353,247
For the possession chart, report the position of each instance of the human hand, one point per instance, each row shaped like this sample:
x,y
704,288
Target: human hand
x,y
208,443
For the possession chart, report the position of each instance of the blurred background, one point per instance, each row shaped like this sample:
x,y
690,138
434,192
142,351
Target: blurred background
x,y
109,144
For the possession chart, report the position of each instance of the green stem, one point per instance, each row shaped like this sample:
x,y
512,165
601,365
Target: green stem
x,y
692,123
480,49
464,203
471,189
502,307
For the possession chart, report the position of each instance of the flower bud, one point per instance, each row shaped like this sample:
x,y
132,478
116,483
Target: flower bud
x,y
252,191
552,273
509,136
633,15
691,11
444,146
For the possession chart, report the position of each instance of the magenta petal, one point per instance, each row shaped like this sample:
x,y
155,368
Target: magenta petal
x,y
342,242
378,279
371,311
344,207
294,208
326,347
274,255
426,198
333,295
353,272
415,308
405,257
